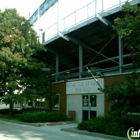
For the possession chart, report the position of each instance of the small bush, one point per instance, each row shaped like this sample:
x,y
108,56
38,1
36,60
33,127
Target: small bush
x,y
6,111
96,124
42,116
109,125
83,125
33,109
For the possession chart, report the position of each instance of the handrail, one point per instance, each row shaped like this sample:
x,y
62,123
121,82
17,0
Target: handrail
x,y
48,31
120,3
41,10
74,15
72,20
79,9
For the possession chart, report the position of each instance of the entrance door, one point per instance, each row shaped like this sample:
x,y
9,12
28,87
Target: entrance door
x,y
89,106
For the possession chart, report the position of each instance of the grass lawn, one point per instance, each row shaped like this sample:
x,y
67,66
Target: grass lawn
x,y
8,117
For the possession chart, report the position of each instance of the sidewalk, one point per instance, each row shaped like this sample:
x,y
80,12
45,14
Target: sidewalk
x,y
71,130
99,135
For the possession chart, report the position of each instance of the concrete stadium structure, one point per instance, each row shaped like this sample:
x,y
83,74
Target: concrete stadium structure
x,y
84,38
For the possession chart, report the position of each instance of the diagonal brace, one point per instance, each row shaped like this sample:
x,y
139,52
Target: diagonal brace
x,y
78,42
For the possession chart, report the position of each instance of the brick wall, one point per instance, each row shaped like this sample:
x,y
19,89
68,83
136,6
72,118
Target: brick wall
x,y
61,89
108,82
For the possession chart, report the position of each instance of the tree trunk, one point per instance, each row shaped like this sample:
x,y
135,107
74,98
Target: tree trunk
x,y
11,108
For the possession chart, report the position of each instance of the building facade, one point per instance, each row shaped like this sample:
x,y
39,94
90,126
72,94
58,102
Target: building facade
x,y
78,37
81,99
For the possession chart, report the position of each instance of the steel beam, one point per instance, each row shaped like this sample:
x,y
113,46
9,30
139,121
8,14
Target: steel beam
x,y
64,37
120,53
103,20
63,56
57,67
80,43
80,61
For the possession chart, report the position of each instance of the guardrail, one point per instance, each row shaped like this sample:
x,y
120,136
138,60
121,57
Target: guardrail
x,y
85,13
41,10
113,5
82,15
51,32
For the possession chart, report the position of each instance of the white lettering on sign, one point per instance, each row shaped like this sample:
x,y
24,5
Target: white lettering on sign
x,y
84,86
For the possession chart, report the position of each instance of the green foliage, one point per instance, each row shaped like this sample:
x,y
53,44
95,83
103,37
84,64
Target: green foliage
x,y
108,125
83,125
20,68
42,116
124,95
6,111
128,28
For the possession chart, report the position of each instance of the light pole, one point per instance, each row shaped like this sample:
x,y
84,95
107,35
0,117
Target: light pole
x,y
89,71
50,95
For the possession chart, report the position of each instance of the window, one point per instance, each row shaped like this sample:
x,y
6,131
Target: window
x,y
93,100
89,100
56,102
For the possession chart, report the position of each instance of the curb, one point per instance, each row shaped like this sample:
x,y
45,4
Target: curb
x,y
37,124
82,132
13,121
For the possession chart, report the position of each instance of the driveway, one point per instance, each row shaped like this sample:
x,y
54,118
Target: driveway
x,y
15,131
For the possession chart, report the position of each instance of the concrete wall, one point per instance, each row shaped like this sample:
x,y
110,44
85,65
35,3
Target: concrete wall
x,y
100,104
75,90
74,103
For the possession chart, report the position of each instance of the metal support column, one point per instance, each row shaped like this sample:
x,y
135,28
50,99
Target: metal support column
x,y
57,66
120,40
80,61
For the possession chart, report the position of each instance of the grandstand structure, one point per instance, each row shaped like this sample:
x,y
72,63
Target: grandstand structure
x,y
83,39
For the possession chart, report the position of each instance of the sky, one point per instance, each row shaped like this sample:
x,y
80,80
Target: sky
x,y
24,7
28,7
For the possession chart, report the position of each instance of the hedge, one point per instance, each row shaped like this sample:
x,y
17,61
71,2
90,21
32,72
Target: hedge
x,y
42,116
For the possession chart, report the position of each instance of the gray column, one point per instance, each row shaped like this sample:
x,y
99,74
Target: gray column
x,y
80,61
120,41
102,5
57,66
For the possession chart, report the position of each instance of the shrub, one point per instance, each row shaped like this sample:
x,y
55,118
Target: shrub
x,y
33,109
97,124
109,125
83,125
42,116
6,111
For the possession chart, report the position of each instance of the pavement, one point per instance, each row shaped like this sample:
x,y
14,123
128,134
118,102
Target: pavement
x,y
16,131
70,127
99,135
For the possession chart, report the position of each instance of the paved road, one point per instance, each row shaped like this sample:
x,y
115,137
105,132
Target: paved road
x,y
14,131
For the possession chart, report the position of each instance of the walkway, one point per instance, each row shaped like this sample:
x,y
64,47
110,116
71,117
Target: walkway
x,y
14,131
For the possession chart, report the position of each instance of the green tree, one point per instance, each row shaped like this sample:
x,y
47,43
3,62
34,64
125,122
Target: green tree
x,y
37,84
124,96
18,46
128,27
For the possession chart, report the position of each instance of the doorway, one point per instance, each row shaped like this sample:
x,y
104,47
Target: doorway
x,y
89,106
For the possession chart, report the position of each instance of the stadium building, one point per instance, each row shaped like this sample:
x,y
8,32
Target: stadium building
x,y
84,52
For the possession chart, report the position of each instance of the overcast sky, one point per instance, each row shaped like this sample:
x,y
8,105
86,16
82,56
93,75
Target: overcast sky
x,y
24,7
27,7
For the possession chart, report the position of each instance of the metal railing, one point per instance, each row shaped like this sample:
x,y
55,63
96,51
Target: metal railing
x,y
51,32
117,3
82,15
